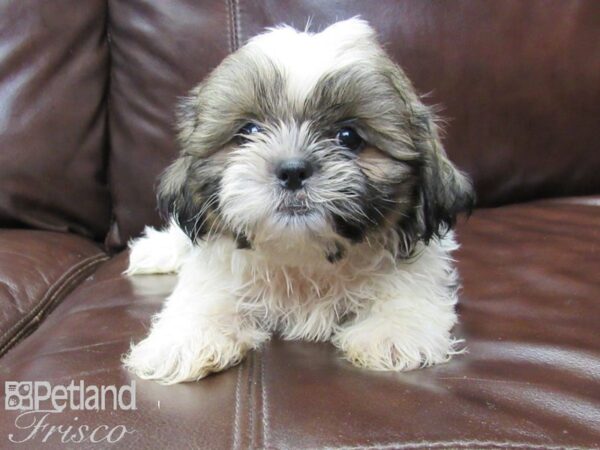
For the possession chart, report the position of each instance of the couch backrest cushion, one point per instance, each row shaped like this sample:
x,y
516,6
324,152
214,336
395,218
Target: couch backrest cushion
x,y
519,83
53,80
159,51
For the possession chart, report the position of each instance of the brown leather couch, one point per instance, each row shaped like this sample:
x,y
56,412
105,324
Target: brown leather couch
x,y
87,94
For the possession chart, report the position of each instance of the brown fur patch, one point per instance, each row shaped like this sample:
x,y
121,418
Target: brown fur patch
x,y
380,167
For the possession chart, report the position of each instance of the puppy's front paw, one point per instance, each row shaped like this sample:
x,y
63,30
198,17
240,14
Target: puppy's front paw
x,y
158,251
170,359
380,347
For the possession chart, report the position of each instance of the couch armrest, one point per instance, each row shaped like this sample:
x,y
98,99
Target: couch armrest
x,y
37,270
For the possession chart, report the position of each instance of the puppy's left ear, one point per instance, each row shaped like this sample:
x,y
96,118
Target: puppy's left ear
x,y
445,190
442,191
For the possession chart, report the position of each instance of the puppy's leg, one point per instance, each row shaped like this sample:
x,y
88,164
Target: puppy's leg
x,y
158,251
408,323
200,329
397,336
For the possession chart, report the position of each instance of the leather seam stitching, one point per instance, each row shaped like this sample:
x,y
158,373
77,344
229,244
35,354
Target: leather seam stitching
x,y
229,26
52,296
257,409
237,23
265,408
236,417
233,26
454,444
250,432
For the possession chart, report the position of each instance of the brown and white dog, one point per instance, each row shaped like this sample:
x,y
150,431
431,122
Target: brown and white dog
x,y
313,199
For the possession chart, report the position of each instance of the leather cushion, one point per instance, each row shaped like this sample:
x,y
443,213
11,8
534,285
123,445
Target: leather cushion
x,y
53,79
37,270
519,83
529,313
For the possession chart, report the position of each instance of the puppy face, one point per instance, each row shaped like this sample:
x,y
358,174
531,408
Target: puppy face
x,y
316,137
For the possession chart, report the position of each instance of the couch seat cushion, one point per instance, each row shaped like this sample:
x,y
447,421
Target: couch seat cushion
x,y
531,379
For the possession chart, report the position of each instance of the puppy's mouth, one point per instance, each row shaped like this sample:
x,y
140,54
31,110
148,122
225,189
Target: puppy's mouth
x,y
295,205
294,209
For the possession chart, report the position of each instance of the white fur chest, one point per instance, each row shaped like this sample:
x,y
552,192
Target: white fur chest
x,y
307,300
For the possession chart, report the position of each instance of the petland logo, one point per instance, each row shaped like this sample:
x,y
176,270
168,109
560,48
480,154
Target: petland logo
x,y
40,402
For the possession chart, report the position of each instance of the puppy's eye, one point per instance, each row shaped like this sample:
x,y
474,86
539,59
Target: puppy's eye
x,y
249,128
349,138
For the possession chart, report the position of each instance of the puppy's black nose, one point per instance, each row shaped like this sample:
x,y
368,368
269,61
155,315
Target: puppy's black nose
x,y
292,173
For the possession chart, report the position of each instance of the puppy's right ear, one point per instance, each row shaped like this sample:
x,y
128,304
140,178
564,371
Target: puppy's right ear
x,y
188,189
176,199
188,116
175,194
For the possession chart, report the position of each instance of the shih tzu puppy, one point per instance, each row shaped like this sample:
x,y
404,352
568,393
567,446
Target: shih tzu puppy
x,y
312,199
